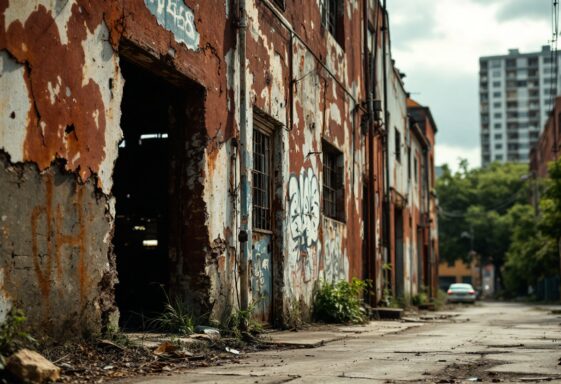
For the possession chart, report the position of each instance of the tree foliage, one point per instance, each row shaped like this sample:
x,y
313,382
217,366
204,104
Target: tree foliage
x,y
473,209
489,209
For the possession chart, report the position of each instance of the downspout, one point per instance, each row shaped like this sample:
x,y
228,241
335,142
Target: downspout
x,y
370,63
243,235
368,120
385,140
427,222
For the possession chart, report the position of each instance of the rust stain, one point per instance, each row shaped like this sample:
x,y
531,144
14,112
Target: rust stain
x,y
56,240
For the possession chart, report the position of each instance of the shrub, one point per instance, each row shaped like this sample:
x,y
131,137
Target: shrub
x,y
420,299
341,302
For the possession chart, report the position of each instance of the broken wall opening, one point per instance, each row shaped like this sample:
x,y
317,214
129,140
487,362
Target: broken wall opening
x,y
160,116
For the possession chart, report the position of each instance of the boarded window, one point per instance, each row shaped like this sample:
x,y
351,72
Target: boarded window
x,y
333,189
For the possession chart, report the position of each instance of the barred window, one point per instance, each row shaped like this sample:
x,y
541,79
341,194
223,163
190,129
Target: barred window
x,y
333,188
261,180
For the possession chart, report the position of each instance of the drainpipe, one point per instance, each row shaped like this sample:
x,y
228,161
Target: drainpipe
x,y
386,137
369,196
243,235
427,223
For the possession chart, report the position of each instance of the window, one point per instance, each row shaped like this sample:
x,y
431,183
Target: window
x,y
333,188
497,105
498,115
409,163
496,84
332,18
496,94
498,136
498,146
496,73
498,157
261,180
397,145
280,4
498,126
415,168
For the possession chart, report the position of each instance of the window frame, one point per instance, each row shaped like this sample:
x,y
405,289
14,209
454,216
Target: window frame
x,y
264,207
333,20
333,186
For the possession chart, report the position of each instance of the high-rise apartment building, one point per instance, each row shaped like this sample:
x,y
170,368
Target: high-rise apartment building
x,y
516,93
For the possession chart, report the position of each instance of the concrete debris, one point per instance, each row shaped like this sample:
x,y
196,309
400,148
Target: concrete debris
x,y
171,349
212,332
232,350
31,367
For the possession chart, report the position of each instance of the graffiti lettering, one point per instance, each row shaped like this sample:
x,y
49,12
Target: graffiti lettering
x,y
304,216
335,264
303,198
261,283
174,16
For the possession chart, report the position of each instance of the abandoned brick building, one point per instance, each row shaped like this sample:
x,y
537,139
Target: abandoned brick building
x,y
227,152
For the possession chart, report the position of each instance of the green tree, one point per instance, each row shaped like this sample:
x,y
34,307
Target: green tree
x,y
473,209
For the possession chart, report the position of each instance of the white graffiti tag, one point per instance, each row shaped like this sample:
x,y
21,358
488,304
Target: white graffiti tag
x,y
174,16
303,197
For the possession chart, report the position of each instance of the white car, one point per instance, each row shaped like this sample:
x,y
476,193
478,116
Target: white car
x,y
461,293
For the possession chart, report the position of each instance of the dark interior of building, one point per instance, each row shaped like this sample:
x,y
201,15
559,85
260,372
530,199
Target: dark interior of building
x,y
142,191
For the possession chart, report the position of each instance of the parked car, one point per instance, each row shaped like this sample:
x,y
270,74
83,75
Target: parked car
x,y
461,293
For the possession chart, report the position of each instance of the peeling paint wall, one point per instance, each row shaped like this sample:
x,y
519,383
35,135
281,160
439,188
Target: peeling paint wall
x,y
61,126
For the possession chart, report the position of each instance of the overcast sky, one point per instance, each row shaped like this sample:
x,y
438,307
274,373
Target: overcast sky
x,y
437,44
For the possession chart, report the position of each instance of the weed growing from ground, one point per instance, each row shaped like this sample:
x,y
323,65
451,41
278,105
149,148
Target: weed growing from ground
x,y
341,302
242,324
13,334
175,318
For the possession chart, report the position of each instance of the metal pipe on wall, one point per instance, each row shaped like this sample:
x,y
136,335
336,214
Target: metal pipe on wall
x,y
243,235
386,137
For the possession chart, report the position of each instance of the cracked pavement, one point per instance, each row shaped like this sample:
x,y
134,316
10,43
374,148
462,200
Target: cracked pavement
x,y
489,342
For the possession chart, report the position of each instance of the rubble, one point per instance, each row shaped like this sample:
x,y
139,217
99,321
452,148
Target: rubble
x,y
32,367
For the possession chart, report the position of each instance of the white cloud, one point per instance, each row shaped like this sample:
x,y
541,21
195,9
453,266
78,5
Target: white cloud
x,y
463,31
437,43
451,155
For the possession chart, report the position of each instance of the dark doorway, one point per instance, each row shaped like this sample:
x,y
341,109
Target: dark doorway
x,y
142,185
399,269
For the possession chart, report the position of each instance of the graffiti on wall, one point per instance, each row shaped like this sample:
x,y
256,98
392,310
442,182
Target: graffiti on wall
x,y
335,263
261,278
304,220
177,18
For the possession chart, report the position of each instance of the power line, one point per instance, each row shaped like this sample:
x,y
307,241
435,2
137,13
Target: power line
x,y
463,215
